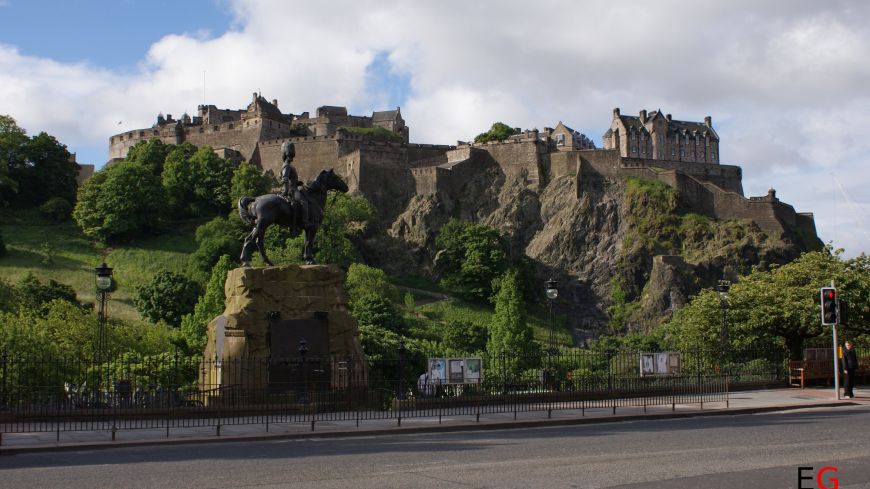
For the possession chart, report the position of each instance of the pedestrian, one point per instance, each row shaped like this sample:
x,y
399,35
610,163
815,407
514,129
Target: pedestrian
x,y
850,366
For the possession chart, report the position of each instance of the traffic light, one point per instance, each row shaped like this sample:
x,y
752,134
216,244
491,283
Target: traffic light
x,y
829,305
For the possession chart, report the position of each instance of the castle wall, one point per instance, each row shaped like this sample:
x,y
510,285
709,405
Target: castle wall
x,y
517,157
727,177
772,216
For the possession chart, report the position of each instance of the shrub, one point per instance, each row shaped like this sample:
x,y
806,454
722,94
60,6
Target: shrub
x,y
167,297
56,209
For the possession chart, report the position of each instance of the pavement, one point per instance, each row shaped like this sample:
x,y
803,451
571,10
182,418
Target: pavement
x,y
740,402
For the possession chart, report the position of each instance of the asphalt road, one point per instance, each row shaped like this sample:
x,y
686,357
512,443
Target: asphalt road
x,y
744,451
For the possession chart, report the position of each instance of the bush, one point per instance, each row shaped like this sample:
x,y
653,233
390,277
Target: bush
x,y
210,305
35,296
498,132
167,297
218,237
56,209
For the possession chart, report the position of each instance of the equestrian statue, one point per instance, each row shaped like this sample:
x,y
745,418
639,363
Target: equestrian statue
x,y
299,209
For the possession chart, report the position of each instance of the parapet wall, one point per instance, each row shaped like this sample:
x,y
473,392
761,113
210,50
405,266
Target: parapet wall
x,y
774,217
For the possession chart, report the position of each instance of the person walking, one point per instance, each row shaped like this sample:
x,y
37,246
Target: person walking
x,y
850,366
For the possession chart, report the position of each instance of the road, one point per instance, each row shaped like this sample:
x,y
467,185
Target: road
x,y
741,451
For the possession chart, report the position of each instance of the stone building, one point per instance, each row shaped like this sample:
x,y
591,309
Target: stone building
x,y
657,136
239,133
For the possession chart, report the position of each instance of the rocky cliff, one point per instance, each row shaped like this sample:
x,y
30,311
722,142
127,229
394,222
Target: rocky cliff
x,y
628,252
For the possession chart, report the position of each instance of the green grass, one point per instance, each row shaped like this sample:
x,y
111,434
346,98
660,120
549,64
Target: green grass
x,y
60,252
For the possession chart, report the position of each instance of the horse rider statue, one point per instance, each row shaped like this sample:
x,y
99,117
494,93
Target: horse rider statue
x,y
290,178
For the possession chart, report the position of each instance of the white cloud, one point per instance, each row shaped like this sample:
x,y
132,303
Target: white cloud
x,y
787,88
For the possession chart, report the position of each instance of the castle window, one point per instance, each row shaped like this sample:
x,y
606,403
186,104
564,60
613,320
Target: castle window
x,y
673,152
682,153
217,128
560,140
230,126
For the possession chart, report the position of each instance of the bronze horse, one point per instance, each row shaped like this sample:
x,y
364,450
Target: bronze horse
x,y
265,210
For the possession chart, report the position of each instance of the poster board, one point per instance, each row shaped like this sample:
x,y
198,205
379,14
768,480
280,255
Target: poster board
x,y
455,370
660,363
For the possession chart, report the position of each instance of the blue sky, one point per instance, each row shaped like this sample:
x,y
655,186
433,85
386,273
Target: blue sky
x,y
112,34
787,88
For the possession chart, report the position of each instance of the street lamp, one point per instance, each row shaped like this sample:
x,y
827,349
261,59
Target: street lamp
x,y
303,350
552,294
104,286
722,288
401,387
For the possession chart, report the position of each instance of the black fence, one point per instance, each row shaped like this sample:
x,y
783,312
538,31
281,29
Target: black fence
x,y
176,391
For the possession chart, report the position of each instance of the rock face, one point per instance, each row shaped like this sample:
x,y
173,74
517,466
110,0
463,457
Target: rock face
x,y
258,301
599,240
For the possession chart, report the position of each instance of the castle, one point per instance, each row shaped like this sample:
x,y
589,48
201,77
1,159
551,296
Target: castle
x,y
389,171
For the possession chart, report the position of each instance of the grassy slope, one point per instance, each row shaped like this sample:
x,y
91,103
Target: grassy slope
x,y
62,253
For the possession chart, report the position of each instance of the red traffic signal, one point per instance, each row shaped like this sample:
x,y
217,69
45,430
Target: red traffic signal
x,y
829,305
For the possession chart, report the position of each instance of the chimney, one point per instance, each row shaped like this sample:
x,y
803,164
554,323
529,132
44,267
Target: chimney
x,y
669,117
616,113
275,102
643,117
708,121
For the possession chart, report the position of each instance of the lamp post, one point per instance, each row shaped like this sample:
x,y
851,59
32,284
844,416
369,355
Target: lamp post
x,y
104,286
722,288
401,393
303,350
552,294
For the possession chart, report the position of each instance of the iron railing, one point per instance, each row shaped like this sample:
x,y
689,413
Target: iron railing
x,y
175,391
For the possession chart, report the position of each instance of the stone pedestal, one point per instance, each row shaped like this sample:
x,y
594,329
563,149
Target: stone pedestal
x,y
263,305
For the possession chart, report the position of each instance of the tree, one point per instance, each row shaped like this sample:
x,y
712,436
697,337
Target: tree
x,y
33,295
166,297
372,298
197,184
220,236
249,181
13,139
464,337
471,256
120,201
498,132
510,331
34,169
346,218
209,305
151,154
779,306
56,209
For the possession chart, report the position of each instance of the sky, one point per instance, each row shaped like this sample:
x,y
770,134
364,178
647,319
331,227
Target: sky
x,y
787,83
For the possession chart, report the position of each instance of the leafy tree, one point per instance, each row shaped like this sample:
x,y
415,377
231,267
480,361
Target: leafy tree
x,y
249,181
780,306
346,218
210,305
372,298
166,297
471,256
510,331
33,295
120,201
34,169
220,236
150,154
362,279
13,140
498,132
56,209
198,184
465,337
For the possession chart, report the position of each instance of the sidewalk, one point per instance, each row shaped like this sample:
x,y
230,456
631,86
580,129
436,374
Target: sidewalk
x,y
741,402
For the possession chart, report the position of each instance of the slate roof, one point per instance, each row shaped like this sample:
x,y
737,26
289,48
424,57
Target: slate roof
x,y
385,115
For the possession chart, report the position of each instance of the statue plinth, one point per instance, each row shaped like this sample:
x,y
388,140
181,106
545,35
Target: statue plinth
x,y
268,311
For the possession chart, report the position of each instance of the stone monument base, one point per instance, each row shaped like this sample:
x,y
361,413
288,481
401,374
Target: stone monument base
x,y
282,326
